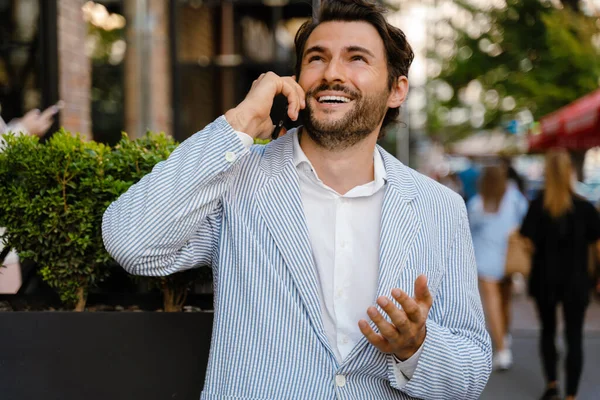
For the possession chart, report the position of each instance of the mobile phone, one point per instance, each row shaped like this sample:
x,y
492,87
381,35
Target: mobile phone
x,y
284,123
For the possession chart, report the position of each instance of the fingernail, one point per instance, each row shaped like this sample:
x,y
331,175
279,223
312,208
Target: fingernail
x,y
371,312
383,301
396,292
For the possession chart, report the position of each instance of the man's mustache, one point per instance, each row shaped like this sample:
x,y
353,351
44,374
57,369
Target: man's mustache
x,y
335,88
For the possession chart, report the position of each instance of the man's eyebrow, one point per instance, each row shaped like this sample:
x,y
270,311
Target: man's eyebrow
x,y
314,49
359,49
349,49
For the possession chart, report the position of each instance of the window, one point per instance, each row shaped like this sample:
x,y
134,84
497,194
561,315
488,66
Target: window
x,y
220,48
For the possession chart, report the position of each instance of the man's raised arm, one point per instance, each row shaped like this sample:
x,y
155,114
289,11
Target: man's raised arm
x,y
169,220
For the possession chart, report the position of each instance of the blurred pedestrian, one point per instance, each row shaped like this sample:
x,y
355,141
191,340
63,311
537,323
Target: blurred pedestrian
x,y
494,212
452,181
469,178
513,176
35,123
561,225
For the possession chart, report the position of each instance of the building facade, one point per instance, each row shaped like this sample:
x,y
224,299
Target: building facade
x,y
138,65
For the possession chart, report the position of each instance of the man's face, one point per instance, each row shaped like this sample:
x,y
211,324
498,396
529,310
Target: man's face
x,y
345,76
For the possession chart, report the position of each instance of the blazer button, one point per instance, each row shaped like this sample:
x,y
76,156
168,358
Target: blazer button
x,y
340,380
230,156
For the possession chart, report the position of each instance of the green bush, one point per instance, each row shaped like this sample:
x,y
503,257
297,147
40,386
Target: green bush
x,y
54,195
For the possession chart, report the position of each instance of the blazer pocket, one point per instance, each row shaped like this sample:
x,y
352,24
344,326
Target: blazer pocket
x,y
409,275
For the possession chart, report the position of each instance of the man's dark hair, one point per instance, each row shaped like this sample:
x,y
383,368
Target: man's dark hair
x,y
399,54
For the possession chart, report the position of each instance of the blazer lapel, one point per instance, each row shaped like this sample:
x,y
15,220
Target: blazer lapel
x,y
280,204
399,228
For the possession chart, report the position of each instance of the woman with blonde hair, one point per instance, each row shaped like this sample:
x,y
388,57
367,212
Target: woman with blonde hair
x,y
560,226
494,212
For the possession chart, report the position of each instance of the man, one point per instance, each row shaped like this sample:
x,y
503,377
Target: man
x,y
317,239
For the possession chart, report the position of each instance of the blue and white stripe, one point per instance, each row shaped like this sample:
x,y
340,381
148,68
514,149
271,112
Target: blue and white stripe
x,y
213,202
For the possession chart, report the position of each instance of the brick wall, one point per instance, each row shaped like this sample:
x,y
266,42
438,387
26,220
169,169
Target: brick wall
x,y
74,67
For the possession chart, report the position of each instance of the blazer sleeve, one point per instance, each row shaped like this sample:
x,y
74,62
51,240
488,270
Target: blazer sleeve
x,y
171,219
457,353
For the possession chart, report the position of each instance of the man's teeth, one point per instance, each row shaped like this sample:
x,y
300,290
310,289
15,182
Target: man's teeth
x,y
333,99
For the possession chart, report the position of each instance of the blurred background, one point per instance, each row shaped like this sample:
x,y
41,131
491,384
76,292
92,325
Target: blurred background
x,y
490,77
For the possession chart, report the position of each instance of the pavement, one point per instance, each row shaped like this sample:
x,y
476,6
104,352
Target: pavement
x,y
525,379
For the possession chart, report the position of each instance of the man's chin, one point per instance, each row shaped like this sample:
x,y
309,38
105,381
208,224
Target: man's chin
x,y
327,126
329,121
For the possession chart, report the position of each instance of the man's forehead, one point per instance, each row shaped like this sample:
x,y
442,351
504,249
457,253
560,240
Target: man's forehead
x,y
341,35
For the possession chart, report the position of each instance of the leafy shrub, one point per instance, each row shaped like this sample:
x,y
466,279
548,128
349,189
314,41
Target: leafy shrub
x,y
54,195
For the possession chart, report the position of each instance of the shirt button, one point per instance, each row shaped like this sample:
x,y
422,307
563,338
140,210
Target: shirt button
x,y
339,293
230,156
340,380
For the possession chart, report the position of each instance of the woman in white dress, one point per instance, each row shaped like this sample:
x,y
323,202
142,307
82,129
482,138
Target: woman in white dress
x,y
495,212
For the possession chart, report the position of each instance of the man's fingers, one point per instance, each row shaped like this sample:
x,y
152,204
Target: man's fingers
x,y
289,91
299,90
398,317
387,330
422,294
409,305
375,339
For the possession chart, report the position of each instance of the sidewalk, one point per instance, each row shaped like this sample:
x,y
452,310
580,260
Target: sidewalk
x,y
525,379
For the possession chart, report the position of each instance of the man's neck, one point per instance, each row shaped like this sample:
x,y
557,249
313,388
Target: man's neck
x,y
345,169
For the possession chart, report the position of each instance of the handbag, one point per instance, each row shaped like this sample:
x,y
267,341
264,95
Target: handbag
x,y
518,255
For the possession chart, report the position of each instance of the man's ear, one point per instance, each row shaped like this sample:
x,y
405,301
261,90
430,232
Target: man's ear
x,y
398,92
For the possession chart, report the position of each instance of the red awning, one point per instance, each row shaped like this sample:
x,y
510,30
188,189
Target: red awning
x,y
575,126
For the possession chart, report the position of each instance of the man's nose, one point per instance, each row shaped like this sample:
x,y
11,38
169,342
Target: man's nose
x,y
334,71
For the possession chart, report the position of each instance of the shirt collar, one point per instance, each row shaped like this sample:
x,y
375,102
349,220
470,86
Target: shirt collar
x,y
303,164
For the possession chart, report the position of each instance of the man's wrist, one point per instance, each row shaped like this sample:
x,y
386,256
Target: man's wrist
x,y
238,120
412,349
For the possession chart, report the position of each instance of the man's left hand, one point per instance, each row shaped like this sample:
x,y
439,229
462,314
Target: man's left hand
x,y
405,335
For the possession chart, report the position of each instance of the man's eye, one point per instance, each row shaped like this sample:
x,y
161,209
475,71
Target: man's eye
x,y
314,58
357,58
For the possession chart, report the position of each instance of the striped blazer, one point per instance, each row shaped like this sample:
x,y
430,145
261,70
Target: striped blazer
x,y
214,202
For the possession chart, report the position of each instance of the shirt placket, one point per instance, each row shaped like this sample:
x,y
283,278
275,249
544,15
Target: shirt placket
x,y
342,273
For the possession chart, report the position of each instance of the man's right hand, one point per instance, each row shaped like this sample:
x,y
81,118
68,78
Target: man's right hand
x,y
252,115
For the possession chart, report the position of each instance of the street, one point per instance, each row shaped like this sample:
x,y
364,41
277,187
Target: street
x,y
525,379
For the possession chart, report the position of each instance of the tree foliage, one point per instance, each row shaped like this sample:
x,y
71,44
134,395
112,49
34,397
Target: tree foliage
x,y
530,56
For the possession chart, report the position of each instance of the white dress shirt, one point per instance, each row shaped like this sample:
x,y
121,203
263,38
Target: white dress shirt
x,y
344,234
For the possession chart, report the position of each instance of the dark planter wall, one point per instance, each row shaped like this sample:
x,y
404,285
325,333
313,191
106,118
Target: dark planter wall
x,y
75,356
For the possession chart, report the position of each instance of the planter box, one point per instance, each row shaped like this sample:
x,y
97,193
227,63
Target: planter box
x,y
112,355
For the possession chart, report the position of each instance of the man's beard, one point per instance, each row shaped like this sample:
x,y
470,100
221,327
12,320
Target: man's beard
x,y
351,128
